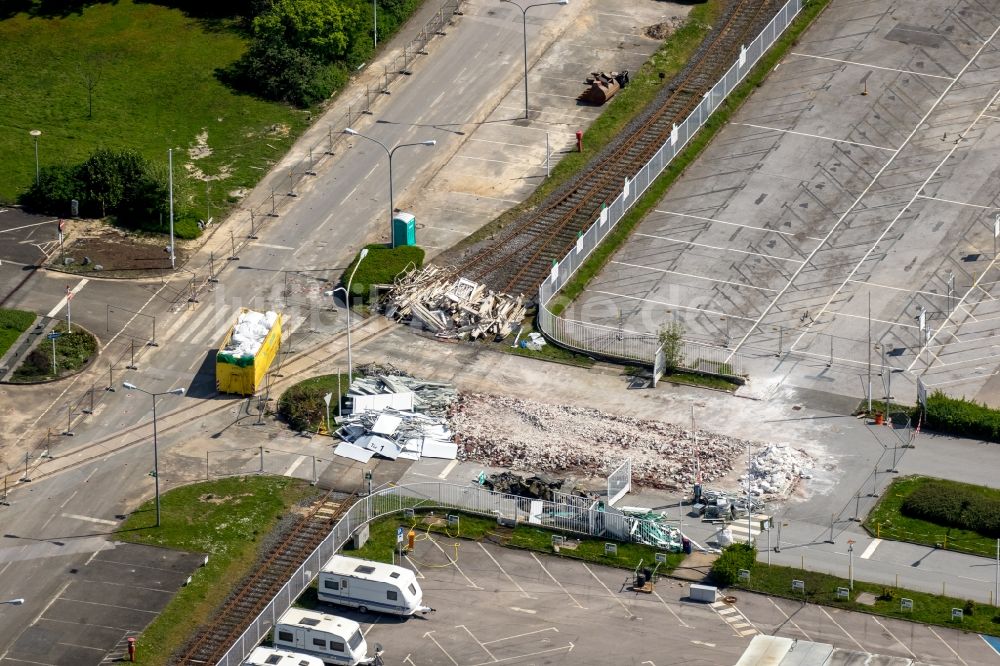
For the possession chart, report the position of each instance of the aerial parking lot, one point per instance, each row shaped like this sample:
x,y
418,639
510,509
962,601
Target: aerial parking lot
x,y
495,605
855,174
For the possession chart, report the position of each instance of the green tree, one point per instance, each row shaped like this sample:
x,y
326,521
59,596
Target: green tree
x,y
317,27
56,186
672,340
107,174
274,70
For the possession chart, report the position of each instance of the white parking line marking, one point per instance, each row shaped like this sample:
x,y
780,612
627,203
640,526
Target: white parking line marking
x,y
447,470
957,203
733,224
294,466
51,601
957,656
691,275
36,224
89,519
721,249
853,207
473,637
530,633
430,635
68,499
870,550
578,605
490,555
672,305
861,64
455,564
860,646
568,648
415,569
886,630
610,593
62,303
816,136
672,612
522,610
789,619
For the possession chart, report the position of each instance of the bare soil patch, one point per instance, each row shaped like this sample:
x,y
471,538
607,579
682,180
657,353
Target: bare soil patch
x,y
95,247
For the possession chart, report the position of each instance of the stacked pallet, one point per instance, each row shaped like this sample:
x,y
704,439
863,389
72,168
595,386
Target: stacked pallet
x,y
453,308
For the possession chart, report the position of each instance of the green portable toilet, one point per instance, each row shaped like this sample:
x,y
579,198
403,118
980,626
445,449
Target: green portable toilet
x,y
404,229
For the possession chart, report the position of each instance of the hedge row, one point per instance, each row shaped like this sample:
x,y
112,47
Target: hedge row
x,y
958,416
954,505
726,569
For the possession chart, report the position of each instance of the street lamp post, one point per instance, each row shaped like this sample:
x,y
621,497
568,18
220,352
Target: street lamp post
x,y
524,21
850,565
170,177
13,602
36,134
347,302
156,453
375,21
390,153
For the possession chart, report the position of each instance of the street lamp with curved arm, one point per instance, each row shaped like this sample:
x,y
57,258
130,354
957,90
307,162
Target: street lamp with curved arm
x,y
13,602
156,454
524,21
347,302
390,153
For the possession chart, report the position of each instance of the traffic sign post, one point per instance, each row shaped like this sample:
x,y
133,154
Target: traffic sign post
x,y
400,535
52,336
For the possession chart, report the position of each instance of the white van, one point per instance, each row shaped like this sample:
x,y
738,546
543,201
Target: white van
x,y
337,641
367,585
265,656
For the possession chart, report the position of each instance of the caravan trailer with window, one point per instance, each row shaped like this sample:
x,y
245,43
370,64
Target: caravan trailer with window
x,y
367,585
337,641
265,656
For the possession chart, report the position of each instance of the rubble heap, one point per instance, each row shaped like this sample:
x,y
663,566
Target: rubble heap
x,y
396,416
453,308
501,431
774,469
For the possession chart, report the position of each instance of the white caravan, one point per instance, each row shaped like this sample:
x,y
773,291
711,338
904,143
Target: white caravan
x,y
265,656
367,585
337,641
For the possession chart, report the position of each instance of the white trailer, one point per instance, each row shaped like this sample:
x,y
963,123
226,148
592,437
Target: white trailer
x,y
367,585
265,656
337,641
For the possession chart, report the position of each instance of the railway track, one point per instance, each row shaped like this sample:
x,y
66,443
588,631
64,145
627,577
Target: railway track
x,y
520,258
257,589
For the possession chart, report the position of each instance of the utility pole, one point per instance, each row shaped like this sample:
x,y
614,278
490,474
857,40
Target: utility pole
x,y
869,352
170,178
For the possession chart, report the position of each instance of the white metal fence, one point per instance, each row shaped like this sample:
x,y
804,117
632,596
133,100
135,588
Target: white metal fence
x,y
472,499
640,347
620,481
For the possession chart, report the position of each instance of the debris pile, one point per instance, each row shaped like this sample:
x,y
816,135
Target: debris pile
x,y
533,487
396,416
774,469
249,332
655,529
453,308
501,431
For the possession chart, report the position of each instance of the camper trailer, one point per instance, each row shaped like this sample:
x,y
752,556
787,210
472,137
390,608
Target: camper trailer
x,y
367,585
337,641
265,656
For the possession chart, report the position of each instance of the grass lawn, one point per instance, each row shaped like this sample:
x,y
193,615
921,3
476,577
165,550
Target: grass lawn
x,y
228,519
73,352
822,589
382,541
887,522
12,324
155,90
696,379
549,352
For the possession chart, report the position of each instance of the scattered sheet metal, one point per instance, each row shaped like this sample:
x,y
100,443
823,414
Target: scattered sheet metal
x,y
348,450
396,416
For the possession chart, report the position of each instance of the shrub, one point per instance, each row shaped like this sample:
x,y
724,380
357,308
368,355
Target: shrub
x,y
954,505
963,417
56,187
381,266
726,569
302,406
